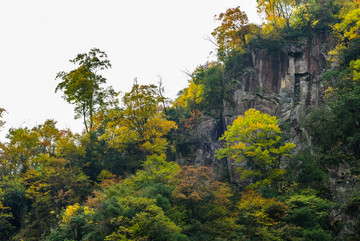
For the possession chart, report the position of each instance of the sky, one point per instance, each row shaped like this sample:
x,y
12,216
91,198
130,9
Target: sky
x,y
143,39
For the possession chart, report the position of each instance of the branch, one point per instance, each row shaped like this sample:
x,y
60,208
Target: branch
x,y
208,38
188,73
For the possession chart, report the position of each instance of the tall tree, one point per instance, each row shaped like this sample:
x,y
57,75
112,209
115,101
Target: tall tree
x,y
83,86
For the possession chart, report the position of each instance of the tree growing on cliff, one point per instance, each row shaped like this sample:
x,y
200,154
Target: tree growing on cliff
x,y
278,13
347,53
208,90
82,86
233,32
253,141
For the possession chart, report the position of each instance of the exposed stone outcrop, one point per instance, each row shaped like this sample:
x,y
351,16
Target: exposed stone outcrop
x,y
284,84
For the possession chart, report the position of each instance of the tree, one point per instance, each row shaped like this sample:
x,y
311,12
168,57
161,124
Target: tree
x,y
82,86
156,170
135,208
278,13
234,31
50,186
259,216
25,144
197,187
334,127
253,141
140,123
310,15
161,91
312,214
15,155
209,88
347,52
48,136
2,111
13,206
205,202
142,219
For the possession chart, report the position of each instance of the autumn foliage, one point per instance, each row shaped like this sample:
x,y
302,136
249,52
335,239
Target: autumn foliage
x,y
136,172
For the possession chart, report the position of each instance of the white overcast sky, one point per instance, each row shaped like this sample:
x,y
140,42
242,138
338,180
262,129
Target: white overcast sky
x,y
142,38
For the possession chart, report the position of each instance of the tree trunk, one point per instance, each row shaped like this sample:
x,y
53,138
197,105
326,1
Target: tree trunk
x,y
84,115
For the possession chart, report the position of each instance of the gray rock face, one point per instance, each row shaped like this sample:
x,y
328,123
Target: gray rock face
x,y
284,84
287,81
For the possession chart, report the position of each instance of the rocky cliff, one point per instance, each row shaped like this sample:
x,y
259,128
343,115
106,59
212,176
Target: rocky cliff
x,y
284,84
288,85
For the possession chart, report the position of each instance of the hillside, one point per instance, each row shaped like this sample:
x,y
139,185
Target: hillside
x,y
262,145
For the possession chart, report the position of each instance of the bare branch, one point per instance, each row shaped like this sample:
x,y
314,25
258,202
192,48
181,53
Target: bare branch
x,y
208,38
187,72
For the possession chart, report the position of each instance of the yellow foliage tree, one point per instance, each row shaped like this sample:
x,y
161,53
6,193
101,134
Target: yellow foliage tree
x,y
140,123
257,215
192,95
347,32
70,211
278,13
253,141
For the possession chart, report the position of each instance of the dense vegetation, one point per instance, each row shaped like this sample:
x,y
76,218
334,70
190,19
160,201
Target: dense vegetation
x,y
123,178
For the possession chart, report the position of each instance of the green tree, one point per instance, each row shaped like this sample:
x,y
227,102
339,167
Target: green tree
x,y
312,214
69,146
83,86
253,141
315,15
48,136
209,88
347,51
334,127
142,219
50,186
24,144
136,208
13,206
